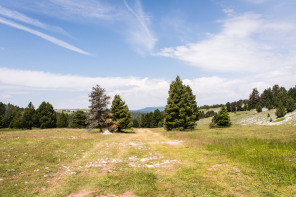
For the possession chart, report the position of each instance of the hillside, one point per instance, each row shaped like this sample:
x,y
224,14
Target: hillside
x,y
254,118
148,109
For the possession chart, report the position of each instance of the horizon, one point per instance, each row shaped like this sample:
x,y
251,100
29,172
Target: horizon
x,y
56,50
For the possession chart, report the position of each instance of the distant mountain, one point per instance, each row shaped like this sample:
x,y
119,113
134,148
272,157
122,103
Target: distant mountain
x,y
148,109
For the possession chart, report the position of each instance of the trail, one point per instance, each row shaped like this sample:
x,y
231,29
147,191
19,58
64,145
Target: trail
x,y
139,150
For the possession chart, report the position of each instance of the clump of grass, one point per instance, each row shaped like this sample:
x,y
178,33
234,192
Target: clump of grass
x,y
279,119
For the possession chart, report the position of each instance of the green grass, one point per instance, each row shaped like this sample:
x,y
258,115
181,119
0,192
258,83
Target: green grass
x,y
29,157
235,161
279,119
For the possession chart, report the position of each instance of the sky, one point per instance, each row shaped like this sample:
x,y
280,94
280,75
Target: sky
x,y
57,50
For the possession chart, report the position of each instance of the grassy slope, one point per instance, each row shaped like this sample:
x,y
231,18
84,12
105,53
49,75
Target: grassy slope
x,y
237,161
254,118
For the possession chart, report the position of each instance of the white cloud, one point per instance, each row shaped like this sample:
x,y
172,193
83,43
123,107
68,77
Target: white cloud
x,y
247,43
130,21
28,20
44,36
87,9
140,35
70,91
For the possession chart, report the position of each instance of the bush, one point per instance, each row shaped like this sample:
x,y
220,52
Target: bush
x,y
221,119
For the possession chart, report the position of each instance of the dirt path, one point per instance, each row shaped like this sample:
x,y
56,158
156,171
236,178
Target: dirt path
x,y
143,149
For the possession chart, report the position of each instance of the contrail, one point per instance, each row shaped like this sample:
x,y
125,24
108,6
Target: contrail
x,y
44,36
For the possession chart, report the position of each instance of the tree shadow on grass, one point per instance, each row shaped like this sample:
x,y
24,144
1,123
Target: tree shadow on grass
x,y
126,132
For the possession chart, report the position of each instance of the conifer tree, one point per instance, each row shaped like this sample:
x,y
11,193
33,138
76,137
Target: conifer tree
x,y
292,93
181,110
46,115
221,119
79,120
191,110
228,107
2,114
157,118
28,117
62,121
121,114
281,110
254,99
290,105
98,107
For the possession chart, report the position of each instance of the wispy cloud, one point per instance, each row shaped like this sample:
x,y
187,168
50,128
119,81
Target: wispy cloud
x,y
141,37
135,25
44,36
247,43
86,9
28,20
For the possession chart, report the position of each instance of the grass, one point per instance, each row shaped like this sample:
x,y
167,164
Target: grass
x,y
235,161
279,119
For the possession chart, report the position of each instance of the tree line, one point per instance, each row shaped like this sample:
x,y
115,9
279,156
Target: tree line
x,y
180,113
12,116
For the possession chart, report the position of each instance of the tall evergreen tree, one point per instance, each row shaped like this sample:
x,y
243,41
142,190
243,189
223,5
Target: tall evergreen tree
x,y
10,112
290,104
98,107
281,110
79,120
157,118
46,115
221,119
16,121
292,93
181,110
28,117
265,97
228,107
2,114
254,99
62,121
121,114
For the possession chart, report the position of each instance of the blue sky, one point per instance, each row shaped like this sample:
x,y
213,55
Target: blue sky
x,y
57,50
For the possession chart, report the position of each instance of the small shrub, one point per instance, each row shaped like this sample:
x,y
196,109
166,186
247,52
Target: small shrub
x,y
268,115
258,108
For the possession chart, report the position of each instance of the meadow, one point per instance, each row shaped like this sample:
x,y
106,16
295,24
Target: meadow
x,y
236,161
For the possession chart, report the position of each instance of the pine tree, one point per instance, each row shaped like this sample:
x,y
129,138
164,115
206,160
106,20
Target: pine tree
x,y
28,117
62,121
99,103
292,93
181,110
157,118
16,121
228,106
79,120
254,99
221,119
281,110
121,114
2,114
191,110
46,115
290,105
